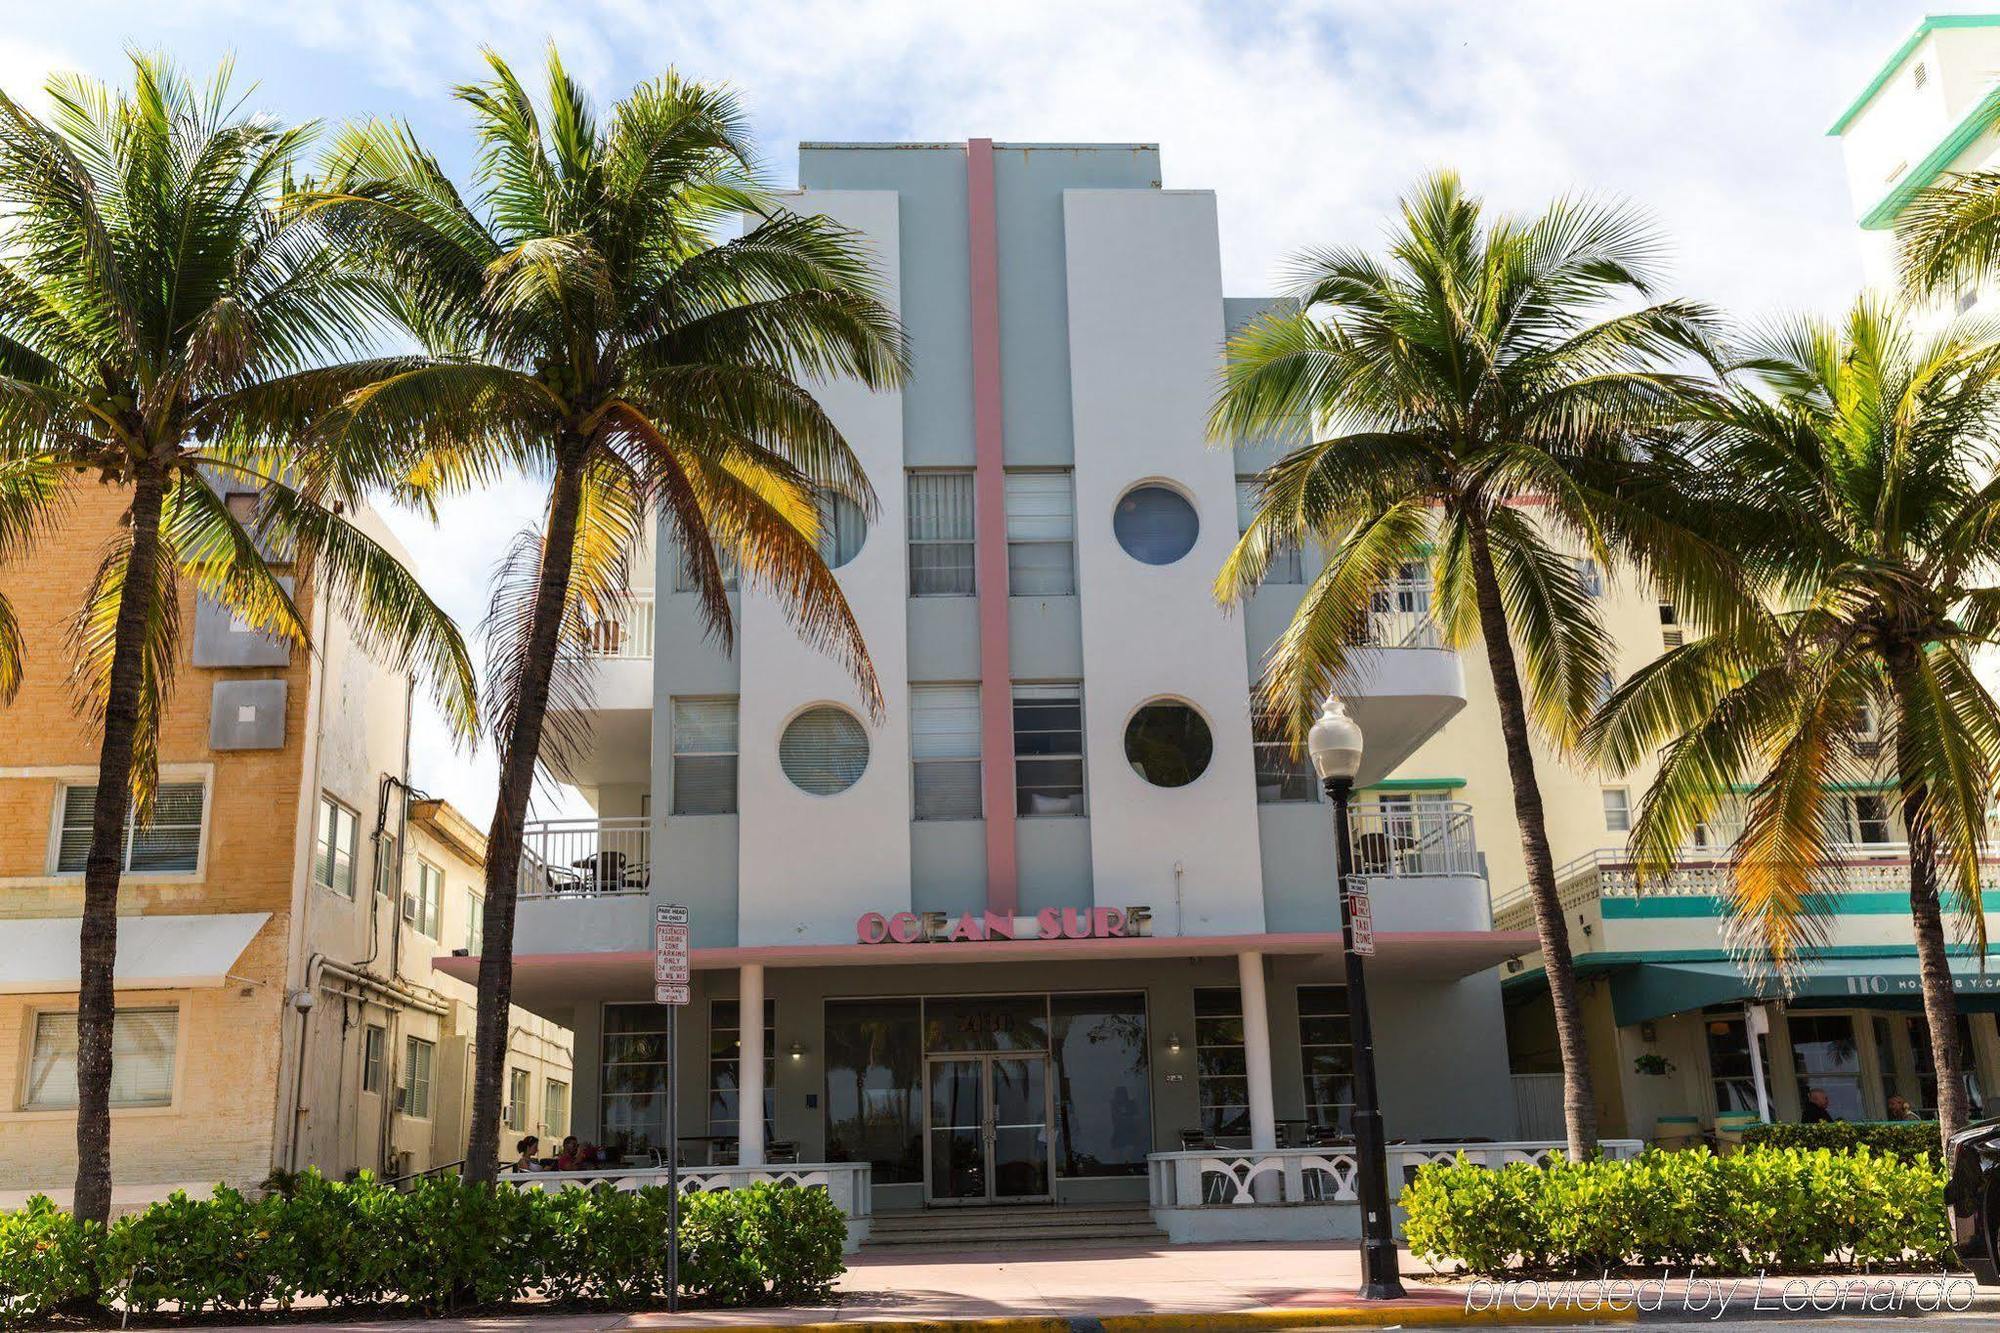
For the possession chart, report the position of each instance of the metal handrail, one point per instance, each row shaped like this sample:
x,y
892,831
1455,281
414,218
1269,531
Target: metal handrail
x,y
586,858
1417,838
627,633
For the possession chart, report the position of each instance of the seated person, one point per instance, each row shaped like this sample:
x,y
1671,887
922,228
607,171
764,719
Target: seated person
x,y
1899,1108
574,1156
1815,1109
529,1158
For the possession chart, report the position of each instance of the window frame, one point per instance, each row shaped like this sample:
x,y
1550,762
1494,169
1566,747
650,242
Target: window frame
x,y
549,1098
407,1081
1624,811
675,754
475,922
428,898
32,1018
58,824
717,1057
1008,517
1079,757
1306,1048
1203,1077
514,1113
937,762
328,801
374,1056
1286,568
912,542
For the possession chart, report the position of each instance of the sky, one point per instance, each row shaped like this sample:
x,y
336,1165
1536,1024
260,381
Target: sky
x,y
1307,117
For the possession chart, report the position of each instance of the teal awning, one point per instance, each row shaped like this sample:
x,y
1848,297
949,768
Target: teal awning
x,y
1646,991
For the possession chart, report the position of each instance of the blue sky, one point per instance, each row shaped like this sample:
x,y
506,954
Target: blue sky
x,y
1306,118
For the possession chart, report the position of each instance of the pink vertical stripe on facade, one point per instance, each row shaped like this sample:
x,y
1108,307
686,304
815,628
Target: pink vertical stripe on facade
x,y
996,690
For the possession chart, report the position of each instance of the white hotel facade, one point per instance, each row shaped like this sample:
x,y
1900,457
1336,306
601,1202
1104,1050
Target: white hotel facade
x,y
1066,757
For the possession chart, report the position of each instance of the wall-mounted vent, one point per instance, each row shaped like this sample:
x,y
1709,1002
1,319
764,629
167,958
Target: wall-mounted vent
x,y
1919,76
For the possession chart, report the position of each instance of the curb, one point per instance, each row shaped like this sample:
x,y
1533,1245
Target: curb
x,y
1358,1315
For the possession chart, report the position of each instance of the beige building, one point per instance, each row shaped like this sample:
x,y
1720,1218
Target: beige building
x,y
282,901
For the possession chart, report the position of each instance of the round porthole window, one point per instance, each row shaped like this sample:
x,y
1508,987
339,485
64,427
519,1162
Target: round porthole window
x,y
842,529
1155,524
824,750
1168,744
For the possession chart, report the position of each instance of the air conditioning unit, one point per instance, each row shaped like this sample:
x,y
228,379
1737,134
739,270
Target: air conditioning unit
x,y
401,1161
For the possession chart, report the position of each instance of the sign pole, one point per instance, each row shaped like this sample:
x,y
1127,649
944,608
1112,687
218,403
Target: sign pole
x,y
670,988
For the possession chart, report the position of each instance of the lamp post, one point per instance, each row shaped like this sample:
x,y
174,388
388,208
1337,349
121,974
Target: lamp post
x,y
1335,745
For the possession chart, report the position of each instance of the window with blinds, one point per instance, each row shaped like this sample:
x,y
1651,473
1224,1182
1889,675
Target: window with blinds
x,y
171,844
417,1055
1048,750
944,751
142,1059
941,550
333,852
704,736
842,529
823,750
1286,566
516,1113
1041,534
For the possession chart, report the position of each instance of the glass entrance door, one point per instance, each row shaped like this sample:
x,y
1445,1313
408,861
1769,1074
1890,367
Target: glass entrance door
x,y
988,1129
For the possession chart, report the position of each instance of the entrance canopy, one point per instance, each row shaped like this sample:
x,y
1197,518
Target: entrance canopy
x,y
39,956
1646,991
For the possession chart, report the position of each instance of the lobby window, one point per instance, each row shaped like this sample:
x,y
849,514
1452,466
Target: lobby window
x,y
333,850
1326,1055
941,549
1285,565
1103,1101
1617,810
1729,1068
704,739
1048,749
170,844
374,1040
874,1095
1283,777
421,902
632,1098
725,1046
944,751
517,1100
1927,1073
1041,534
142,1059
1222,1079
1825,1058
475,921
417,1055
555,1109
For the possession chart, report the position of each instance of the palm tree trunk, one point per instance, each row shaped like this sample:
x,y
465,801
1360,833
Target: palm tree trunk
x,y
98,932
519,750
1926,913
1579,1098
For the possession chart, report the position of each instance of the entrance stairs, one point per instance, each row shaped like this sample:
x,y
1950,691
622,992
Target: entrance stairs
x,y
1014,1226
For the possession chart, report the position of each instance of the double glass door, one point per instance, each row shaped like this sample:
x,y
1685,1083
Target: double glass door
x,y
987,1129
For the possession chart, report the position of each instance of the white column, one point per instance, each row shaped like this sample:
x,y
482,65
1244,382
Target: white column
x,y
750,1065
1257,1050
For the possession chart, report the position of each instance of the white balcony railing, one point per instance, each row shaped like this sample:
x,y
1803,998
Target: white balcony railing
x,y
848,1184
585,858
626,635
1398,616
1413,838
1204,1177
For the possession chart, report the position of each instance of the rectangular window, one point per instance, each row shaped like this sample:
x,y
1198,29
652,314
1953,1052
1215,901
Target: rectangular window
x,y
1729,1065
632,1093
1926,1063
475,921
1326,1055
941,550
874,1091
1285,565
1048,749
171,844
333,853
421,901
725,1048
1041,534
517,1100
1871,820
1617,810
944,751
704,739
1590,575
417,1055
1222,1078
1826,1059
684,577
1283,777
374,1038
555,1109
142,1059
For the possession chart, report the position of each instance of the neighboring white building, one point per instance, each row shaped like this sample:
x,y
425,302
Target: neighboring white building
x,y
1066,757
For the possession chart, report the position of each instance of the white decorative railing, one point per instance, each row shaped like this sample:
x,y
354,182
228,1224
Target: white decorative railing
x,y
1398,616
1402,839
1205,1177
1609,872
626,635
848,1184
585,858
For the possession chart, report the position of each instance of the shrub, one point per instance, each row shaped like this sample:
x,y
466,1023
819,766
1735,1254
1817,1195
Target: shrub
x,y
442,1246
46,1260
1912,1140
1760,1208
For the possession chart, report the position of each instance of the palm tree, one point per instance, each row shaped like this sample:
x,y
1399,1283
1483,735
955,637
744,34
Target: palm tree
x,y
581,318
1475,375
1848,469
163,326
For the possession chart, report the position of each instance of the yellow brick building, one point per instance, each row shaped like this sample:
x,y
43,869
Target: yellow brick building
x,y
289,897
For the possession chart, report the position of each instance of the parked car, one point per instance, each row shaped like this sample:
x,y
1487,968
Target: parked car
x,y
1973,1197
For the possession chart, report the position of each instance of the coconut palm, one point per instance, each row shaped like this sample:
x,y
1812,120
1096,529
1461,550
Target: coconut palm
x,y
1948,236
582,318
163,327
1848,467
1472,399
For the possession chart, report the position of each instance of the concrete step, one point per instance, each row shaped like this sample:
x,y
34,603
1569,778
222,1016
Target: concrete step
x,y
958,1228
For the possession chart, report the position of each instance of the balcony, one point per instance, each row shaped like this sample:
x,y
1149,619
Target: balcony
x,y
627,635
1398,616
1421,860
586,858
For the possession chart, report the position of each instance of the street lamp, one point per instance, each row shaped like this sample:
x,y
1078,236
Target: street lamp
x,y
1335,745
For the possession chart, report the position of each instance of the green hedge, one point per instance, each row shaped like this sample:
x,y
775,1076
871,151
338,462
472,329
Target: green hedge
x,y
443,1245
1912,1140
1761,1208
